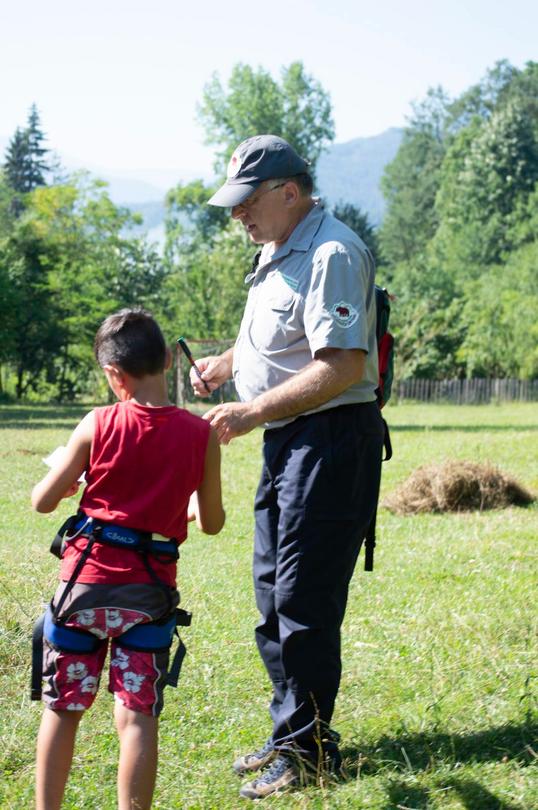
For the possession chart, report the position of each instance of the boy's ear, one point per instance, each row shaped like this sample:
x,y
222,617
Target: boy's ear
x,y
114,371
115,377
168,359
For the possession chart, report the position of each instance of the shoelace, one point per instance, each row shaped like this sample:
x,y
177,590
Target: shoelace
x,y
279,766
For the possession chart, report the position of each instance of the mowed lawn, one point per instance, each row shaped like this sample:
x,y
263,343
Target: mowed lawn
x,y
438,706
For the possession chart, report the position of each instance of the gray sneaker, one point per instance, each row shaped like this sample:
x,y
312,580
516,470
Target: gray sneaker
x,y
249,763
283,774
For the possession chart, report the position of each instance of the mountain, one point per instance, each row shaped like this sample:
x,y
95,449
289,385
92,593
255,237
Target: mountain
x,y
351,172
346,172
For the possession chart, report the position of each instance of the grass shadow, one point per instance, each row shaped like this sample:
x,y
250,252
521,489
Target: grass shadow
x,y
416,752
401,795
42,416
463,428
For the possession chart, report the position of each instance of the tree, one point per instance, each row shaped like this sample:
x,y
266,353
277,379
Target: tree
x,y
411,181
25,166
491,166
205,294
297,109
69,263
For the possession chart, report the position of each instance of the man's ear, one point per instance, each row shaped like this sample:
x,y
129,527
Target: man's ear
x,y
291,194
168,359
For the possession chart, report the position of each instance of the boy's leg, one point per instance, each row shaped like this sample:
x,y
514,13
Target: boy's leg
x,y
55,744
137,769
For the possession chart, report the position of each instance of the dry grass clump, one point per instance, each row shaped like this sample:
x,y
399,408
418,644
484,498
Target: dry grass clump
x,y
456,486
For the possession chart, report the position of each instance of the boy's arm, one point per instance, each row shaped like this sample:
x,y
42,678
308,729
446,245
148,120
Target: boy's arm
x,y
61,481
207,501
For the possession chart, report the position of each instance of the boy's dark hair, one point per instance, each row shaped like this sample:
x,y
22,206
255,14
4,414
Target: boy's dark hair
x,y
132,340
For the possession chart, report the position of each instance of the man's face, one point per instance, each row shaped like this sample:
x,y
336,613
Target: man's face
x,y
264,215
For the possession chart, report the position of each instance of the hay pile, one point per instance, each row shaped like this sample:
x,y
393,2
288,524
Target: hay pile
x,y
456,486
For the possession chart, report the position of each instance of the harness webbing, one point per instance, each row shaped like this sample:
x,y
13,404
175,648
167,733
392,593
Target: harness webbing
x,y
369,537
37,659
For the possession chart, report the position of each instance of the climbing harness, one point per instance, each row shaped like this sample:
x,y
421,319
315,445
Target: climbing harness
x,y
155,636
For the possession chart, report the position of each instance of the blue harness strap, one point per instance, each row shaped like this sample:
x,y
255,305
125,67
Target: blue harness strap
x,y
121,536
148,637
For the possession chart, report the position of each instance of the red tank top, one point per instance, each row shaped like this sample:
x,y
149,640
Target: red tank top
x,y
144,465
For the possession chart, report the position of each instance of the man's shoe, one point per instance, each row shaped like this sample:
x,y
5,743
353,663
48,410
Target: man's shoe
x,y
281,775
255,761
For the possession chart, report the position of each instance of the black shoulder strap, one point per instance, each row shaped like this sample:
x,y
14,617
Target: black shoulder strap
x,y
369,543
387,442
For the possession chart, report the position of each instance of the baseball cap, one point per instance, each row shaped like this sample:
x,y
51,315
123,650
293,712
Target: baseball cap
x,y
260,158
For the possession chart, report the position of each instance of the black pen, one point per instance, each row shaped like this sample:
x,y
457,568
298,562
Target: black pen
x,y
188,355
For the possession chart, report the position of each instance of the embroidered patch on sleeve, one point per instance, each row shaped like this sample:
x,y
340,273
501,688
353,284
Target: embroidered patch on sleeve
x,y
344,314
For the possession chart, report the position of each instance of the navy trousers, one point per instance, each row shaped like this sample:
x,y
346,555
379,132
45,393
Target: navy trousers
x,y
318,491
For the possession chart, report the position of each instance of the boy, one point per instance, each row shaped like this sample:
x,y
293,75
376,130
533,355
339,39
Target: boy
x,y
143,459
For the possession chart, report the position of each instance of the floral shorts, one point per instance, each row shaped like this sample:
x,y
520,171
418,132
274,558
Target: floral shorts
x,y
137,679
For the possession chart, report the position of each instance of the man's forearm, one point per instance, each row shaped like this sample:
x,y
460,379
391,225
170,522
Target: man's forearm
x,y
332,372
228,358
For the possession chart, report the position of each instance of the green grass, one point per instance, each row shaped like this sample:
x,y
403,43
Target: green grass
x,y
438,703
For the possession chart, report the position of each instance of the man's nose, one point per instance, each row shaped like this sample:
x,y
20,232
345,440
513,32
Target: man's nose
x,y
238,211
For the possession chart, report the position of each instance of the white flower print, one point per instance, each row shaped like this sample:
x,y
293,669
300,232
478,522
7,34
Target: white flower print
x,y
76,707
121,660
76,671
89,684
97,631
132,682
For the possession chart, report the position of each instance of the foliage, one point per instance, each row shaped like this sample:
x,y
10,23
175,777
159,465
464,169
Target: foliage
x,y
205,293
499,319
25,166
298,110
458,237
66,264
410,183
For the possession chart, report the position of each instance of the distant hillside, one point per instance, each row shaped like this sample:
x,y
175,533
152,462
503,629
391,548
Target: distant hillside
x,y
351,171
347,172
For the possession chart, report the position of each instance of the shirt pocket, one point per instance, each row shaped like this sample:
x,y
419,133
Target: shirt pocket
x,y
273,325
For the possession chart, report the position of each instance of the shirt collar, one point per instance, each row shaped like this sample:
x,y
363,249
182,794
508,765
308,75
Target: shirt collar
x,y
300,239
303,234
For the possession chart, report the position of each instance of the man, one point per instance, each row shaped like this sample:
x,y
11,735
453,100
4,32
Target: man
x,y
305,366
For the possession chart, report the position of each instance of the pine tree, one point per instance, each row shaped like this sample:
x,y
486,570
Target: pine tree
x,y
25,165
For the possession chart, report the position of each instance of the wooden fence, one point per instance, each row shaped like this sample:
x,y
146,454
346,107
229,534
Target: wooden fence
x,y
467,392
461,392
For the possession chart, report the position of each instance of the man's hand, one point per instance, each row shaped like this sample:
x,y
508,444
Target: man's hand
x,y
215,371
232,419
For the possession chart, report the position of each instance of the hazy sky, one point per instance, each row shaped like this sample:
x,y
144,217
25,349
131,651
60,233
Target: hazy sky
x,y
117,81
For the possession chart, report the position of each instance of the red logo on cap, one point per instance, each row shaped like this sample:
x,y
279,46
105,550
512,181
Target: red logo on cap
x,y
234,166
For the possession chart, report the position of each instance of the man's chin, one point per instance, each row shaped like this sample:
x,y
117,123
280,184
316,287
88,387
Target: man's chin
x,y
256,239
